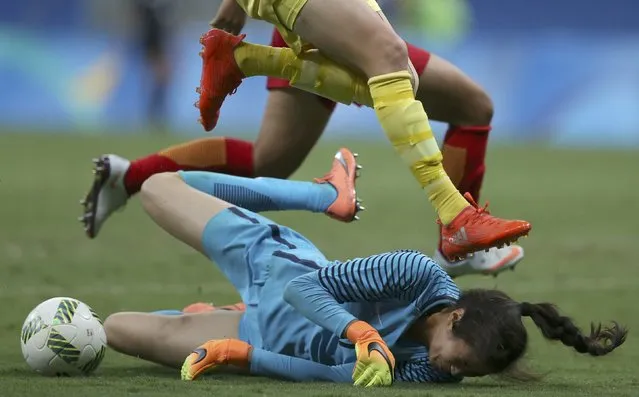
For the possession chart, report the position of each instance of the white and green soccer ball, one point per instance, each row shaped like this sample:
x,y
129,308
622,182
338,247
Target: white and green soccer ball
x,y
63,337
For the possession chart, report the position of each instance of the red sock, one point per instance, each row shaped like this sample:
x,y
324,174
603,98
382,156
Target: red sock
x,y
464,154
217,154
466,147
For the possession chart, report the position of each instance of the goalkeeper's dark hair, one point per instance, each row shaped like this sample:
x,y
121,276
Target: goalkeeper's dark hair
x,y
492,326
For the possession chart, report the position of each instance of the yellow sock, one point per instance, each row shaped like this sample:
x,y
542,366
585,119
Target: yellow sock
x,y
406,124
310,72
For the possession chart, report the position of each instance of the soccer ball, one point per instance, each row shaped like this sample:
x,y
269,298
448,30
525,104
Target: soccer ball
x,y
63,337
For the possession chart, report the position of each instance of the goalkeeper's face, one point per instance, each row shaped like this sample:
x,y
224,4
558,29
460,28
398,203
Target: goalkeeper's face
x,y
482,334
451,353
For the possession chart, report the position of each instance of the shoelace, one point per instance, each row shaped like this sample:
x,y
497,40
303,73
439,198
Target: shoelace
x,y
472,202
324,179
480,211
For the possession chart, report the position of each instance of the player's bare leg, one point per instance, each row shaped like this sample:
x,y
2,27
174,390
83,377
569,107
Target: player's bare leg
x,y
179,209
165,339
450,96
293,122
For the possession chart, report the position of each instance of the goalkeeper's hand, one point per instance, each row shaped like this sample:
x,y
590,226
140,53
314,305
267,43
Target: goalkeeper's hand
x,y
375,365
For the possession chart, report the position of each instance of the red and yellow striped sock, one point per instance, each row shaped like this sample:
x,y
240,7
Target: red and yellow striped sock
x,y
217,154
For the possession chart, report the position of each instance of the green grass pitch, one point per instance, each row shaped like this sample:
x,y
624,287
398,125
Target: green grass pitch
x,y
581,254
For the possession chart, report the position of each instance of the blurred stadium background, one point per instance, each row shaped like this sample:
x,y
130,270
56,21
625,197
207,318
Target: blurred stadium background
x,y
564,72
76,82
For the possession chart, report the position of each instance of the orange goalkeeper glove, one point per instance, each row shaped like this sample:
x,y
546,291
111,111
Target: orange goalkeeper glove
x,y
375,365
216,353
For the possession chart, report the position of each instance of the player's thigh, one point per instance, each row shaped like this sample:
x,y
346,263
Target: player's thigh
x,y
293,122
355,33
168,340
179,209
449,95
234,238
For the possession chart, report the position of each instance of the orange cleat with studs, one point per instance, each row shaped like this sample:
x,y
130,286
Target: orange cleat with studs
x,y
474,229
342,177
220,74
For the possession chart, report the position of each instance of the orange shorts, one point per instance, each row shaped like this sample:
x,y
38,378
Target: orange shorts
x,y
418,57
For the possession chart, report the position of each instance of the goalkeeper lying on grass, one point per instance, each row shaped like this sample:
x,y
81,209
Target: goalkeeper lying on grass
x,y
394,316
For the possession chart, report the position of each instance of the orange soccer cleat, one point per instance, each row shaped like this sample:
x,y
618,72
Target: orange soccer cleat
x,y
342,177
474,229
220,74
215,353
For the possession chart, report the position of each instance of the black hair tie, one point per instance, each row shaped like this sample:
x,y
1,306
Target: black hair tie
x,y
526,309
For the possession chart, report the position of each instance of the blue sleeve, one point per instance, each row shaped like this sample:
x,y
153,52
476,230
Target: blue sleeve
x,y
420,371
407,276
275,365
